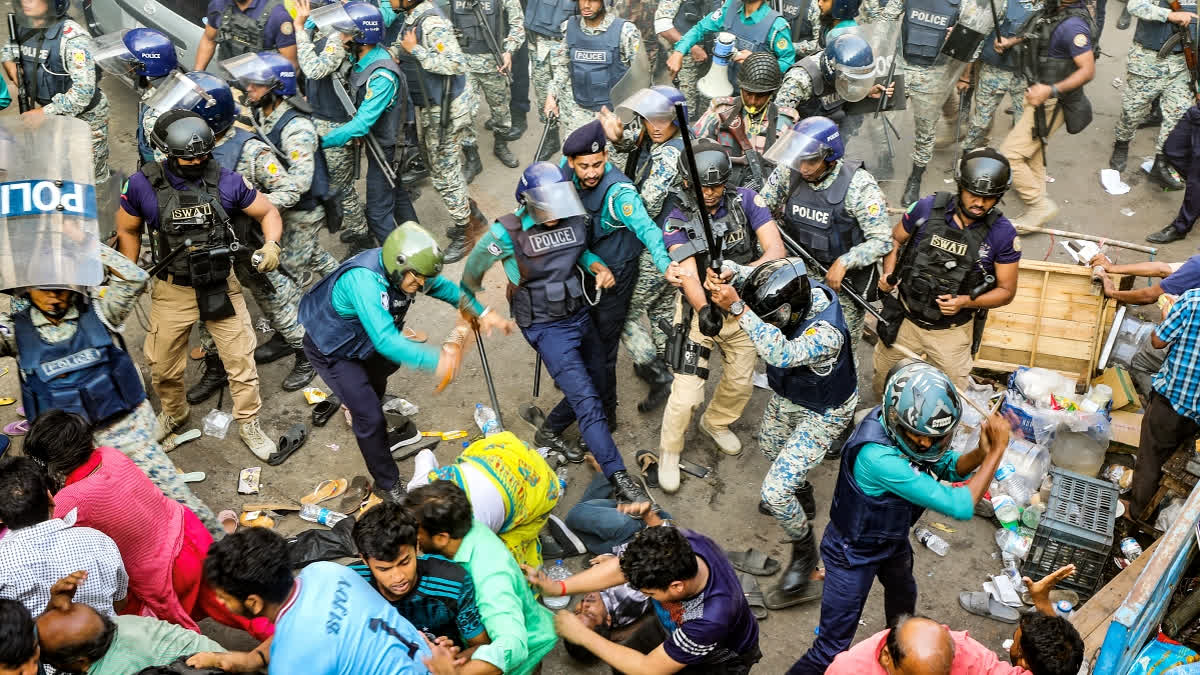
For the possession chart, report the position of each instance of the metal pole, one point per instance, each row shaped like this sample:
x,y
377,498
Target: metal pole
x,y
487,374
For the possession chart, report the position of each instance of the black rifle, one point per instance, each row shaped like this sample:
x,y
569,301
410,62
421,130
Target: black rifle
x,y
24,102
883,102
490,37
1027,57
372,143
796,249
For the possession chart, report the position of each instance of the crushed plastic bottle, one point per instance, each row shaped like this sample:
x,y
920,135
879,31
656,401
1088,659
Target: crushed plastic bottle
x,y
561,472
486,420
932,541
557,572
1012,543
1006,510
319,514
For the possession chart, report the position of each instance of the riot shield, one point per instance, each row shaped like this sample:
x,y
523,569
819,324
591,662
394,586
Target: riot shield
x,y
871,130
49,234
634,80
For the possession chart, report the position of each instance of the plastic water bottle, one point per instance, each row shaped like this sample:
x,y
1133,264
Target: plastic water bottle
x,y
1012,569
1032,515
1006,510
932,541
557,572
561,472
319,514
486,420
1012,484
1014,544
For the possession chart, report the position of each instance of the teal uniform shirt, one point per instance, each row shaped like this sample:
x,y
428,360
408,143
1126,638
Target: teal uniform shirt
x,y
5,98
780,37
381,90
883,468
625,208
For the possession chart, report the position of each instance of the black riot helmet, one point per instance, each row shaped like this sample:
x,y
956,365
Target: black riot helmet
x,y
779,293
182,134
712,162
983,172
759,73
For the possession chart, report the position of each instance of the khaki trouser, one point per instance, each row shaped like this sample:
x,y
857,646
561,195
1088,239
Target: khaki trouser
x,y
173,310
948,349
1024,153
687,391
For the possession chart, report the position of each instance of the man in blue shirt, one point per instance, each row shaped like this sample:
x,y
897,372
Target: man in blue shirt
x,y
353,320
755,24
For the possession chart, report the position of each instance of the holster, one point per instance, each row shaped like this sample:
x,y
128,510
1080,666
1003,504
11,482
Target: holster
x,y
684,355
977,326
334,212
212,301
893,313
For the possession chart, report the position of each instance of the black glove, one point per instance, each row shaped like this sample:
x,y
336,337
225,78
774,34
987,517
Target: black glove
x,y
710,321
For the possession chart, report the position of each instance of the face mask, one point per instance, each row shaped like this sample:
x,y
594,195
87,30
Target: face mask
x,y
187,171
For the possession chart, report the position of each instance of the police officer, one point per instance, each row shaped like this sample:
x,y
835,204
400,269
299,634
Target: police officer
x,y
811,21
672,20
355,341
753,117
1065,62
598,49
145,56
236,27
821,83
543,249
831,206
191,197
756,25
750,237
996,74
52,324
320,59
797,327
619,229
488,76
1181,149
1148,77
952,256
544,21
432,61
890,473
58,72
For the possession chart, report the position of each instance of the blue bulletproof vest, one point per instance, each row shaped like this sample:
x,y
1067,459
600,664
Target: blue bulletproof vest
x,y
825,100
859,518
804,386
386,128
87,374
545,17
1015,15
796,13
755,37
923,29
617,246
818,219
1152,34
335,335
550,286
595,63
412,69
642,172
42,68
321,96
320,180
228,153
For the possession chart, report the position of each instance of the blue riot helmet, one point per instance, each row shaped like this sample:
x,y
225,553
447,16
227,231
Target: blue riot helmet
x,y
810,138
921,400
267,69
206,95
547,194
656,104
361,20
849,61
135,52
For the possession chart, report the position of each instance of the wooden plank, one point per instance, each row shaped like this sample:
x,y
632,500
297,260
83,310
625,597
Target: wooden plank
x,y
1092,619
1009,366
1077,349
1063,310
1051,325
1037,326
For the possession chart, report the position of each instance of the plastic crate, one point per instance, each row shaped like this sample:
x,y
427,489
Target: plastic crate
x,y
1076,528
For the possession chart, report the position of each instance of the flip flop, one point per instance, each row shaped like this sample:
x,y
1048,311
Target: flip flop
x,y
980,603
17,428
324,410
754,596
257,519
288,444
228,520
7,400
326,489
415,335
352,500
193,477
777,599
21,410
647,461
175,440
752,561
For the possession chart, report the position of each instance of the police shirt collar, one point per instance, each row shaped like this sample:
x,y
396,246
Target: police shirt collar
x,y
40,320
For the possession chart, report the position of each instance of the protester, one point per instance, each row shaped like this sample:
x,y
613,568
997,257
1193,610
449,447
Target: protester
x,y
19,649
602,525
1176,278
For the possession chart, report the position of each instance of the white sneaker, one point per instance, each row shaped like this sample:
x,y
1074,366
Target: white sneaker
x,y
255,439
727,441
168,425
668,472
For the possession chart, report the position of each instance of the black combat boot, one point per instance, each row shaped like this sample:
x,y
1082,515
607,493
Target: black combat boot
x,y
795,586
1166,235
543,437
503,153
212,381
552,147
627,489
302,373
413,169
473,166
808,501
1125,19
659,377
1161,175
457,248
1120,156
912,189
519,125
272,350
1154,119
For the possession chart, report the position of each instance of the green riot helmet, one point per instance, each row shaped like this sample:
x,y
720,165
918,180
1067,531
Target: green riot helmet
x,y
410,248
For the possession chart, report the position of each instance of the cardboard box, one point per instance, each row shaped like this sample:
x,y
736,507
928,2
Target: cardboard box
x,y
1121,383
1126,427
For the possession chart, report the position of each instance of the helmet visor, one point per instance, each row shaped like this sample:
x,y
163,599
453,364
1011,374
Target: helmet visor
x,y
854,83
114,57
333,17
554,201
793,147
647,103
179,93
247,69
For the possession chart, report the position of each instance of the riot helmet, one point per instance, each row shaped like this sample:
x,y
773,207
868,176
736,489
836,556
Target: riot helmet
x,y
921,400
779,292
362,21
712,162
983,172
850,62
810,138
266,69
410,248
547,194
135,53
202,93
182,134
759,74
656,104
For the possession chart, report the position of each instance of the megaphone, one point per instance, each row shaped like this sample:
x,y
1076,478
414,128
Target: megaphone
x,y
716,83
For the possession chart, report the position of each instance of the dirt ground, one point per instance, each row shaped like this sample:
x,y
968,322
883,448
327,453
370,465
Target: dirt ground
x,y
723,506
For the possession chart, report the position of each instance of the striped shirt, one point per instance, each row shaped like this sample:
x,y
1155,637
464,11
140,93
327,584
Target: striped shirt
x,y
1179,378
443,603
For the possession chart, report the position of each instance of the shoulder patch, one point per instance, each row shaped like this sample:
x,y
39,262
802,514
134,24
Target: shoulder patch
x,y
812,330
1080,40
873,209
494,249
781,43
294,155
80,57
383,300
329,48
716,16
440,46
286,28
627,210
1017,244
369,94
759,201
272,168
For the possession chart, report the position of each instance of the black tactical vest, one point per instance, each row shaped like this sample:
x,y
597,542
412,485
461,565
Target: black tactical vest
x,y
471,32
193,214
738,241
241,33
825,100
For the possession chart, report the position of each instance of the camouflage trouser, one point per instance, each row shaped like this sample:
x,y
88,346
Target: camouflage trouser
x,y
992,85
1140,91
795,439
134,436
656,298
689,74
280,306
571,116
340,163
539,59
499,99
302,249
97,120
927,89
446,160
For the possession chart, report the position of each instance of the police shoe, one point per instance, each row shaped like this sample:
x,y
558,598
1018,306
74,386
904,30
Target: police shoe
x,y
808,500
659,377
256,439
1162,175
397,494
727,441
472,164
213,380
457,248
796,585
628,489
912,188
1166,235
1120,156
272,350
168,425
301,374
543,437
503,153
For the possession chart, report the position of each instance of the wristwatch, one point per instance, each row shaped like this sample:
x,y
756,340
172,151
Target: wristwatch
x,y
737,308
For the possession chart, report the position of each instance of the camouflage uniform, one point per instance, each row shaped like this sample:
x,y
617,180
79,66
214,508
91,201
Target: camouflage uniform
x,y
76,53
689,72
495,88
439,54
135,433
796,88
570,115
540,47
1147,76
807,47
339,161
301,248
864,201
991,86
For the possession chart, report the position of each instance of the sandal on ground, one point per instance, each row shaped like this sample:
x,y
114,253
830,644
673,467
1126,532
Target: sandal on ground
x,y
326,489
193,477
288,444
415,335
17,428
359,486
647,461
777,599
175,440
753,561
754,595
257,519
324,410
228,520
980,603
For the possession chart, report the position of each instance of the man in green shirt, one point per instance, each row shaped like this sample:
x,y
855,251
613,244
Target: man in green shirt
x,y
756,26
522,631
